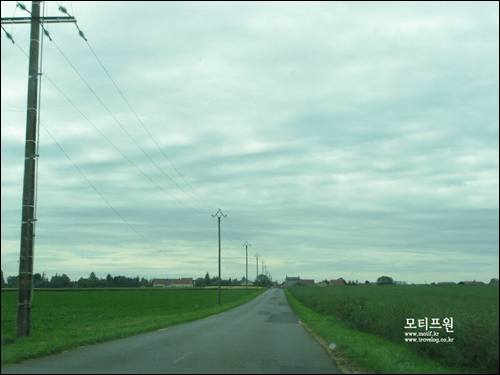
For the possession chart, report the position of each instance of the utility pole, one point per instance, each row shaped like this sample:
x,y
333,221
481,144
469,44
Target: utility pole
x,y
262,268
246,244
257,275
219,214
25,281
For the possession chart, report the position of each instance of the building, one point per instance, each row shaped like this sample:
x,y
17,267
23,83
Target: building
x,y
338,282
161,283
307,282
292,281
471,283
186,282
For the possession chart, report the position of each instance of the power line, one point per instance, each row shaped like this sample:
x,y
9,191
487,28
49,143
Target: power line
x,y
99,193
201,200
144,126
119,123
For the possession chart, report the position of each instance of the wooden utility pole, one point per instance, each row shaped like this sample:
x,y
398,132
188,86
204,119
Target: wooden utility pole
x,y
219,214
25,280
257,275
246,244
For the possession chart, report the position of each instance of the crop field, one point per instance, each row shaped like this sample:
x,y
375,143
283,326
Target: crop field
x,y
61,320
472,340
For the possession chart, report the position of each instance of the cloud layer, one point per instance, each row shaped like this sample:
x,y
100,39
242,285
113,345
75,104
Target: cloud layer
x,y
341,139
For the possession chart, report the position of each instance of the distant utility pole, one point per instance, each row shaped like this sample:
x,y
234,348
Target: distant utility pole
x,y
257,275
219,214
246,244
25,283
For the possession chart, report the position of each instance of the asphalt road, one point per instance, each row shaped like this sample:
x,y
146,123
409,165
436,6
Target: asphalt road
x,y
261,337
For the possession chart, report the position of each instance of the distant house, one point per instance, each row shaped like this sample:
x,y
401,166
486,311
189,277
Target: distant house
x,y
186,282
366,283
471,283
400,282
244,283
322,283
308,282
338,282
447,283
292,281
162,283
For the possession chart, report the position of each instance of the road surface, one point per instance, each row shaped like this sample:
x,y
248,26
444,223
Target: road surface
x,y
262,336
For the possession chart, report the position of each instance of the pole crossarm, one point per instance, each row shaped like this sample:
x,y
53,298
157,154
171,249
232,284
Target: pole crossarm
x,y
21,20
219,214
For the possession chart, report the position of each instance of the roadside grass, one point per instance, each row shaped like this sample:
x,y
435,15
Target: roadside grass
x,y
368,352
68,320
383,311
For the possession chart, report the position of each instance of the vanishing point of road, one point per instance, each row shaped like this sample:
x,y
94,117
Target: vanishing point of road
x,y
262,336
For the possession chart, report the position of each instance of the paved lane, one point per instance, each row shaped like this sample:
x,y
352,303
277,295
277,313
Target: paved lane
x,y
260,337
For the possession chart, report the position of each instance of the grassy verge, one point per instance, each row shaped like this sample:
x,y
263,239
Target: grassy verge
x,y
366,351
64,335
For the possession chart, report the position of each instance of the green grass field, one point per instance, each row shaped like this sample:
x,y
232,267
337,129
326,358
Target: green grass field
x,y
382,312
63,320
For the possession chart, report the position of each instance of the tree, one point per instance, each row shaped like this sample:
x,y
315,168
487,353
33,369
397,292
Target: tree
x,y
385,280
208,282
109,280
492,281
94,281
12,281
263,281
3,281
199,282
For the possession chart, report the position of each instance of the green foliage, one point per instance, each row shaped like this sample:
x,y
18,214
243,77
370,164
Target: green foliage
x,y
383,311
385,280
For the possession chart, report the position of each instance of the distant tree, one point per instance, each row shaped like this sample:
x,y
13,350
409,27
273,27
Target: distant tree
x,y
327,282
12,281
263,281
62,281
3,281
109,280
208,281
199,282
492,281
385,280
94,281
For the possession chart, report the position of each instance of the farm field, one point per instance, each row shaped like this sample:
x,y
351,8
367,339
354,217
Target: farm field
x,y
383,311
67,319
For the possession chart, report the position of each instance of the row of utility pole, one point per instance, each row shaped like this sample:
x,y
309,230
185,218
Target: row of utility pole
x,y
219,215
27,247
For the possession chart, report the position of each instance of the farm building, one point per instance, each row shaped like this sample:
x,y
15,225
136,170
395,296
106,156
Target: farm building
x,y
161,283
338,282
292,281
471,283
307,282
186,282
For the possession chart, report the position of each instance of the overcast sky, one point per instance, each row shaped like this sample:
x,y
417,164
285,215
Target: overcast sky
x,y
341,139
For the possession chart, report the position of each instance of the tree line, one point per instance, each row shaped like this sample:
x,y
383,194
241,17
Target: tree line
x,y
63,281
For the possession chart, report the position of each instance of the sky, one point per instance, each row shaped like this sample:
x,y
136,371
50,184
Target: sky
x,y
341,139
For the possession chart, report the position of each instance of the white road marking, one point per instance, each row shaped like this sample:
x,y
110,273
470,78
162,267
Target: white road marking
x,y
184,356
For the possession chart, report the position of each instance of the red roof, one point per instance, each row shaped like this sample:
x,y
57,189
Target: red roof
x,y
308,282
186,280
472,282
337,282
